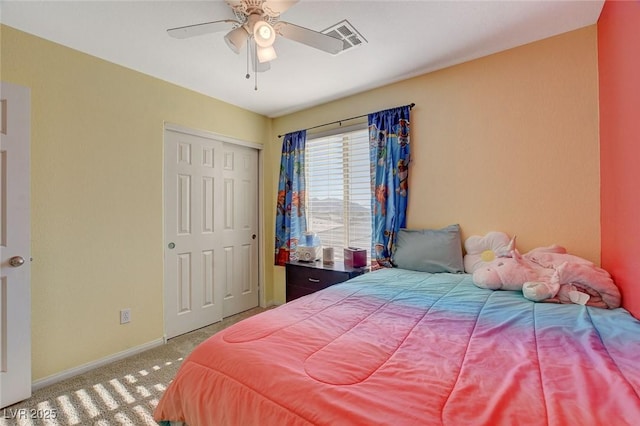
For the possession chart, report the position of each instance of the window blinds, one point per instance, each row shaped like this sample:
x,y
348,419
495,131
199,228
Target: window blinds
x,y
338,195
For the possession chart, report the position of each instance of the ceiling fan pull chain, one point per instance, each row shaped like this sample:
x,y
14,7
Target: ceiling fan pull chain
x,y
248,59
255,65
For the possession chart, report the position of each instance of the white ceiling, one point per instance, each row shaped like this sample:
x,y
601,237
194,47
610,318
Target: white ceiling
x,y
405,39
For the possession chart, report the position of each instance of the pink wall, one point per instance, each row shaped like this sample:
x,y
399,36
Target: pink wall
x,y
619,75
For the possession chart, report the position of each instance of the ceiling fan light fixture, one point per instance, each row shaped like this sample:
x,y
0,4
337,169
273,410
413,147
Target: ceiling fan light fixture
x,y
236,39
266,54
264,34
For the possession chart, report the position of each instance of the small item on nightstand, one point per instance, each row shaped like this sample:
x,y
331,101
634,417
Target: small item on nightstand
x,y
355,257
327,255
308,249
308,253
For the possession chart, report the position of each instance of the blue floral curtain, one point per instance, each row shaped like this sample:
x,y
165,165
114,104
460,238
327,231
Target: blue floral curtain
x,y
390,156
291,220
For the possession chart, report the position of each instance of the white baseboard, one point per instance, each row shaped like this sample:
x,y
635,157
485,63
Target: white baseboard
x,y
67,374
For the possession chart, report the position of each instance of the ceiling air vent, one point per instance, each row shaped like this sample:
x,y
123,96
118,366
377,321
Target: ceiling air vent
x,y
344,31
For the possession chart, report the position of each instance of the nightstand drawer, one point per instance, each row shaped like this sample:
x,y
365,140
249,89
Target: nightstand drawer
x,y
307,278
315,279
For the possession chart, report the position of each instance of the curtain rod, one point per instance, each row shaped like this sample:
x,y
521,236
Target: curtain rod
x,y
411,105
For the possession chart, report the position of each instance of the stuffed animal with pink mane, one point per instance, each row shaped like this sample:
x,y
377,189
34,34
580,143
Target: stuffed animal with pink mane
x,y
550,274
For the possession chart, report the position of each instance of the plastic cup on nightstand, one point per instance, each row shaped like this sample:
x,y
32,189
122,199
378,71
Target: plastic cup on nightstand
x,y
327,255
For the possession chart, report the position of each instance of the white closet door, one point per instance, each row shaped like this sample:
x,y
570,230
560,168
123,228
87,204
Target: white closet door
x,y
211,217
193,259
240,229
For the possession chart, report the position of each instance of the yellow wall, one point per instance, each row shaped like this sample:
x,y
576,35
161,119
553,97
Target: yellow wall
x,y
96,165
508,142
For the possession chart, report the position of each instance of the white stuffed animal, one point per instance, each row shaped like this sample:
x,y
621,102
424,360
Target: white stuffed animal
x,y
481,250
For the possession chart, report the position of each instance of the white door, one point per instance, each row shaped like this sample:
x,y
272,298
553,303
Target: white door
x,y
240,242
15,250
204,240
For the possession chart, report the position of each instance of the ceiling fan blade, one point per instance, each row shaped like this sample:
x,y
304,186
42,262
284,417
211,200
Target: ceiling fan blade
x,y
274,8
204,28
309,37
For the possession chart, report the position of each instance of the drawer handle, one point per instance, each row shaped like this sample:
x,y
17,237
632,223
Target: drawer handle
x,y
313,280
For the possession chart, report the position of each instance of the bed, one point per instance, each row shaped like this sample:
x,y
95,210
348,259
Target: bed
x,y
401,347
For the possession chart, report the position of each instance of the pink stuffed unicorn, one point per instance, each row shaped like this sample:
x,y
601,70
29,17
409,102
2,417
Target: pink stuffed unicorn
x,y
549,274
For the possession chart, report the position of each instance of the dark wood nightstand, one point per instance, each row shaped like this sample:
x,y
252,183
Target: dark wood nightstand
x,y
308,277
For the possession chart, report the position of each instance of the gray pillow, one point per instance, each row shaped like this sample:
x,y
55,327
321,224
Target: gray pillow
x,y
429,250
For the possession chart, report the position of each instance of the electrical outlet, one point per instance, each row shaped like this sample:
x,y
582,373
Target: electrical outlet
x,y
125,316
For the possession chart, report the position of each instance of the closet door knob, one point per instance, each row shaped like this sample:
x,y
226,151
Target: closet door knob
x,y
16,261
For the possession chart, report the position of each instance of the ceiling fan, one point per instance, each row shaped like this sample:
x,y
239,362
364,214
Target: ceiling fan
x,y
257,24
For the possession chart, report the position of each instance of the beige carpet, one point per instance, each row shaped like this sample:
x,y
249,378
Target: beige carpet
x,y
122,393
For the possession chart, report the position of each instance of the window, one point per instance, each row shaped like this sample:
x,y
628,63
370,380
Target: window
x,y
338,187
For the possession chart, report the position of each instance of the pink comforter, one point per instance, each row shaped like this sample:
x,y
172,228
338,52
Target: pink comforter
x,y
398,347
